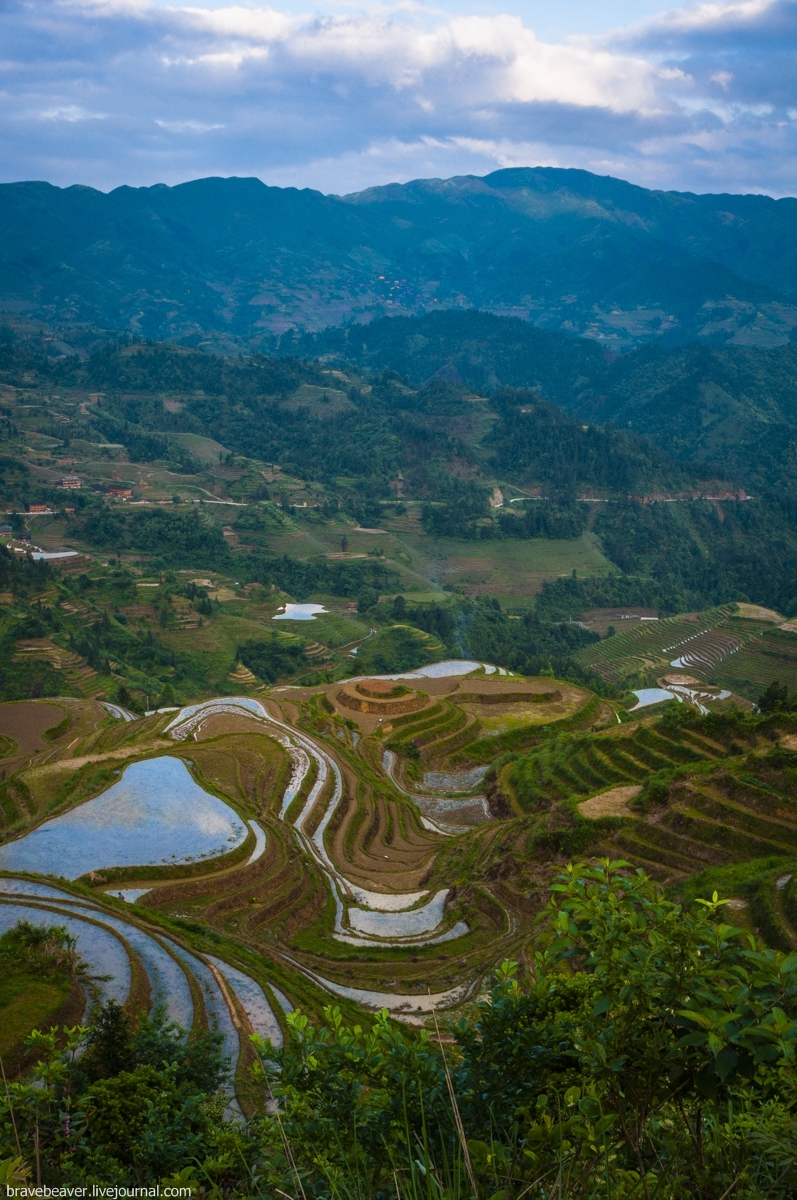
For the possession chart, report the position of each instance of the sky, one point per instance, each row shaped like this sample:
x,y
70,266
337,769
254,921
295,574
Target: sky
x,y
342,95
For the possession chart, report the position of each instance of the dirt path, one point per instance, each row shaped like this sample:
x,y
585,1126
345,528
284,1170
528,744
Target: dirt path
x,y
72,764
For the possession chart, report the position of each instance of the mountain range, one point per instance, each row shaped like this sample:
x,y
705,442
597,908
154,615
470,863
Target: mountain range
x,y
233,263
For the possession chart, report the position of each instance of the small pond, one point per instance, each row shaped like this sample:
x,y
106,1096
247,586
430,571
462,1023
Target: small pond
x,y
157,814
648,696
300,612
443,670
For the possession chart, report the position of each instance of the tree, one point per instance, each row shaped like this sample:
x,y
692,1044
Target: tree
x,y
367,599
775,699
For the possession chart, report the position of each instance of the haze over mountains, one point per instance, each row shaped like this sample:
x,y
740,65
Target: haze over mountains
x,y
232,262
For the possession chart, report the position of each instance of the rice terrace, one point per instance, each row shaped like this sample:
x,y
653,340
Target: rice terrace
x,y
398,666
380,841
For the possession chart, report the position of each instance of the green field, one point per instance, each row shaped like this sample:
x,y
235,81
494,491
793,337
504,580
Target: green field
x,y
512,570
720,646
205,449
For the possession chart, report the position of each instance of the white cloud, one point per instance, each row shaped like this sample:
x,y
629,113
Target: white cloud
x,y
188,126
701,97
71,113
250,24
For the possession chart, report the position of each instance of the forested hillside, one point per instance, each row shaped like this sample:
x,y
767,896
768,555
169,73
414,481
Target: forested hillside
x,y
729,411
504,468
231,262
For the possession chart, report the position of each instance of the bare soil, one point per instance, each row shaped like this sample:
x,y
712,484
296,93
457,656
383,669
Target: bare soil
x,y
26,720
613,803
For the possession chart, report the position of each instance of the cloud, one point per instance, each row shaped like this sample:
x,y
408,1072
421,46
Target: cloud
x,y
71,112
189,126
701,98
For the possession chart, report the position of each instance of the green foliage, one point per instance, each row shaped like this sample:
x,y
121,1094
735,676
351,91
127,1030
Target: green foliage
x,y
676,557
543,232
699,556
776,698
727,411
302,579
140,1103
528,646
543,520
688,1005
535,442
398,648
174,537
113,1046
662,1068
37,949
462,505
27,679
57,731
647,1052
142,1123
271,659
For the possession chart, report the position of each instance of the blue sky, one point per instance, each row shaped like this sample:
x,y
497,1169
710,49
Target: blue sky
x,y
341,95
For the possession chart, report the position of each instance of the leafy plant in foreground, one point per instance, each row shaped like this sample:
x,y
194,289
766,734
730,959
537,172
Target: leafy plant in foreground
x,y
646,1052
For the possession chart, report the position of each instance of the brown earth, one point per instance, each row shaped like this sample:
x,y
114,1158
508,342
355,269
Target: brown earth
x,y
218,724
26,720
350,697
613,803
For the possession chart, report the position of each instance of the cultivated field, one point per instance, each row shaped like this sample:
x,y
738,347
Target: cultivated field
x,y
739,647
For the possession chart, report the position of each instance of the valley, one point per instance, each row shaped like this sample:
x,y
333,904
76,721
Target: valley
x,y
339,668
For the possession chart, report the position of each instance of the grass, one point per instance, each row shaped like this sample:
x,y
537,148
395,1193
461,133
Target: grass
x,y
26,1003
332,629
762,661
512,570
37,971
203,448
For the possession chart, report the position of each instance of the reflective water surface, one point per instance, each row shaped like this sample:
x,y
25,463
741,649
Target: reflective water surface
x,y
103,953
300,612
156,814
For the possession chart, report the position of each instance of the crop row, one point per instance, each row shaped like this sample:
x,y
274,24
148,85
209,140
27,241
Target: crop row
x,y
710,821
705,651
615,657
587,764
749,672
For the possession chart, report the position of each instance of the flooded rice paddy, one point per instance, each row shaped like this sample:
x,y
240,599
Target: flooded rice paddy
x,y
445,670
253,1001
156,815
454,781
679,692
104,954
299,612
407,924
646,696
107,944
302,749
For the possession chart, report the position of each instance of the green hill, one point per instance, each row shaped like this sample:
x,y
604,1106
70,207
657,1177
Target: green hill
x,y
728,411
234,261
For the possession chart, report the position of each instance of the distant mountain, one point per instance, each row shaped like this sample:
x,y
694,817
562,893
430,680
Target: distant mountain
x,y
725,411
231,262
476,348
731,411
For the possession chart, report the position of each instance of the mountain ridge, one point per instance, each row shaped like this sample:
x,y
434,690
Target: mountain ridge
x,y
234,263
